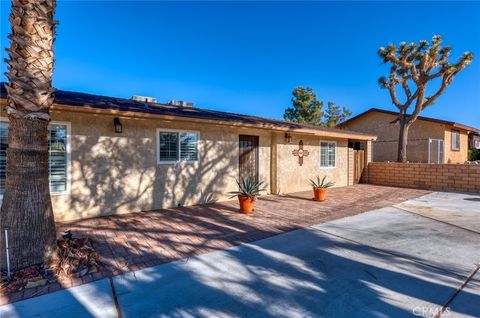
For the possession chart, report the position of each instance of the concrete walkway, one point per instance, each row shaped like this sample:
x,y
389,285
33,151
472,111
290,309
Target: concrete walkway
x,y
411,259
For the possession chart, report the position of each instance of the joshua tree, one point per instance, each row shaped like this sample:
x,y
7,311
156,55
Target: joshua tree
x,y
413,67
27,208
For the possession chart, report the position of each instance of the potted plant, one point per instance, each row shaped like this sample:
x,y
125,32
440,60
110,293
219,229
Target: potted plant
x,y
320,188
248,190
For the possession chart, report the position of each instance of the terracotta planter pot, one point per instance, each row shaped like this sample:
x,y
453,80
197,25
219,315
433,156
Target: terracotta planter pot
x,y
246,204
319,194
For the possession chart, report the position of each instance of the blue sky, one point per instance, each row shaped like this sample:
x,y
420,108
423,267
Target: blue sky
x,y
247,57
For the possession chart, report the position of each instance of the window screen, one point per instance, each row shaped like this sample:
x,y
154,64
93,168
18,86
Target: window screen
x,y
57,160
455,140
327,154
188,146
168,146
177,146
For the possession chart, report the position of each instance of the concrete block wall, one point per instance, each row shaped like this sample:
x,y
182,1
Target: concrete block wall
x,y
440,177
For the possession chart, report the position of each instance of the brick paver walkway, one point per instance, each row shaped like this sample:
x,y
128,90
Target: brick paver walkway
x,y
133,241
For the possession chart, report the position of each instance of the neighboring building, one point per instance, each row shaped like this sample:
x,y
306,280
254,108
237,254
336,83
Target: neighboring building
x,y
474,141
165,155
430,140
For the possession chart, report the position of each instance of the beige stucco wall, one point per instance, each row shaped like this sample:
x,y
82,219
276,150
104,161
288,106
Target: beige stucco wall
x,y
385,148
118,173
292,177
456,156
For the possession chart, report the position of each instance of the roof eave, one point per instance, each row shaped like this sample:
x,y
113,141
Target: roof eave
x,y
467,128
132,114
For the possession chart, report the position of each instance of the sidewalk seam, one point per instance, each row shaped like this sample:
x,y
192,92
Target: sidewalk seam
x,y
459,289
115,299
437,220
401,255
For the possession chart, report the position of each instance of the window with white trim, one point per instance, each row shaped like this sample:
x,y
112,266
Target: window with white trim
x,y
455,140
175,146
327,154
57,159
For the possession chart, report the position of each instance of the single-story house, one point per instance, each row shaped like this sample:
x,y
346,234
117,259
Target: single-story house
x,y
430,140
113,155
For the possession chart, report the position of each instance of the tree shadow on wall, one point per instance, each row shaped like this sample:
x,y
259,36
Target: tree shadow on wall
x,y
121,175
110,175
204,181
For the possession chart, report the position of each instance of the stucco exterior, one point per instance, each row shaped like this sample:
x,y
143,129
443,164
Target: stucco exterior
x,y
292,177
452,155
113,173
386,146
118,173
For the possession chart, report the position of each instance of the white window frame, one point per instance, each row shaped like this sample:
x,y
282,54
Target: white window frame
x,y
454,131
69,157
157,138
320,154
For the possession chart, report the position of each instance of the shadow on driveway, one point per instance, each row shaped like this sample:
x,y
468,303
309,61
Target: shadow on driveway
x,y
304,273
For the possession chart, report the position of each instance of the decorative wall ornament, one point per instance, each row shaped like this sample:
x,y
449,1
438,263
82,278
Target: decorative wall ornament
x,y
300,153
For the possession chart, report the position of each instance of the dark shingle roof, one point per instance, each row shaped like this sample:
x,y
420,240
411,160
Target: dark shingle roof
x,y
90,101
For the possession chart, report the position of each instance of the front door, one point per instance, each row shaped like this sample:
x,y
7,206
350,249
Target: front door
x,y
248,157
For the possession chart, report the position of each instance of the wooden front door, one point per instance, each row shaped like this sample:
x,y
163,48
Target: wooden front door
x,y
358,165
248,157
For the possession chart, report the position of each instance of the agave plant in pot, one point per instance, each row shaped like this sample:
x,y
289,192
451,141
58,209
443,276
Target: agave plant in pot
x,y
320,187
248,190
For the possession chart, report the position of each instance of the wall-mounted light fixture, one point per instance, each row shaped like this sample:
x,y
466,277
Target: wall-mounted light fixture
x,y
288,138
118,125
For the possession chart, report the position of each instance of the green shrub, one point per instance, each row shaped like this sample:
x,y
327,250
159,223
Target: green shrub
x,y
248,187
473,154
321,184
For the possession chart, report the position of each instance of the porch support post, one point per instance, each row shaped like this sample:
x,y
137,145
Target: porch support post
x,y
273,163
351,165
368,159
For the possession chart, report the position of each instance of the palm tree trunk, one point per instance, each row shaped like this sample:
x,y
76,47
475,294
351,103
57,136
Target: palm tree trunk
x,y
26,208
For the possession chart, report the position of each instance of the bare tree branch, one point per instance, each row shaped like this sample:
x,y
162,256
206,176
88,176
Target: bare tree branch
x,y
393,95
418,106
408,93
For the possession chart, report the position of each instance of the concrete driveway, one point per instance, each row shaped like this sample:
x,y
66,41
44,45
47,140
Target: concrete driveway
x,y
411,259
